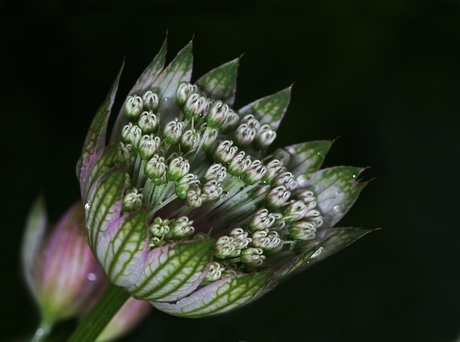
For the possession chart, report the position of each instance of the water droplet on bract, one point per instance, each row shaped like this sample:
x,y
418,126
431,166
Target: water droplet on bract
x,y
91,276
302,181
354,176
337,208
87,206
166,99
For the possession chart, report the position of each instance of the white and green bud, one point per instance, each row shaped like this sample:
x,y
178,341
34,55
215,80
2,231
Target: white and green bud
x,y
264,137
196,107
185,184
159,227
217,115
240,238
274,168
295,211
133,107
133,200
182,228
216,172
286,179
244,135
131,134
226,248
255,172
239,164
262,219
184,91
178,168
195,198
173,132
215,272
252,256
225,152
124,152
148,146
148,122
211,190
190,140
303,230
155,167
151,101
231,122
277,197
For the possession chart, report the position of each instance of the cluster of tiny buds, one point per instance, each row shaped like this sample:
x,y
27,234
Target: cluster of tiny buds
x,y
163,231
160,160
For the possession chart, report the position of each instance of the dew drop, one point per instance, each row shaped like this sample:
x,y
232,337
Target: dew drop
x,y
87,206
337,208
166,99
354,176
302,181
91,276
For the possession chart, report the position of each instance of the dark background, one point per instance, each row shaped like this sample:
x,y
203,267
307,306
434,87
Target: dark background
x,y
383,76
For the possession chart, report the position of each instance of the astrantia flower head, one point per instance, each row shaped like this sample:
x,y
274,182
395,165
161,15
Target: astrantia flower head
x,y
184,206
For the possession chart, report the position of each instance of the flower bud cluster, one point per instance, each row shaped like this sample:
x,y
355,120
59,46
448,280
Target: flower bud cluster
x,y
202,165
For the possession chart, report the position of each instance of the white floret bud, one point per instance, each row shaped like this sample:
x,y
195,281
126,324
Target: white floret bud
x,y
251,121
209,137
225,248
214,273
295,211
254,173
190,140
240,238
225,152
155,168
239,164
277,197
231,122
181,228
133,200
282,156
173,132
262,219
303,230
216,172
264,137
244,135
211,190
133,107
252,256
185,183
148,146
274,168
159,227
267,240
287,179
217,114
178,168
148,122
184,91
131,134
195,198
196,107
124,152
151,101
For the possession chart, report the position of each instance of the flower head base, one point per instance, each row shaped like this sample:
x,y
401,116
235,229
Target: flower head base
x,y
185,207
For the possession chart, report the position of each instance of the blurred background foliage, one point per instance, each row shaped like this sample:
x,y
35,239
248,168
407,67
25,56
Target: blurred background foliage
x,y
382,78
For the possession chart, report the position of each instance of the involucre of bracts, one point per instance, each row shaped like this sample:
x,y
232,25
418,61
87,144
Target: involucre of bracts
x,y
184,206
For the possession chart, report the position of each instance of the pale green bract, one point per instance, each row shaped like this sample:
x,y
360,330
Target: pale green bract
x,y
186,209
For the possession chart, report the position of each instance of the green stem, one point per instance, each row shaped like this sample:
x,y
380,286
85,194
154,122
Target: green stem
x,y
42,332
100,314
